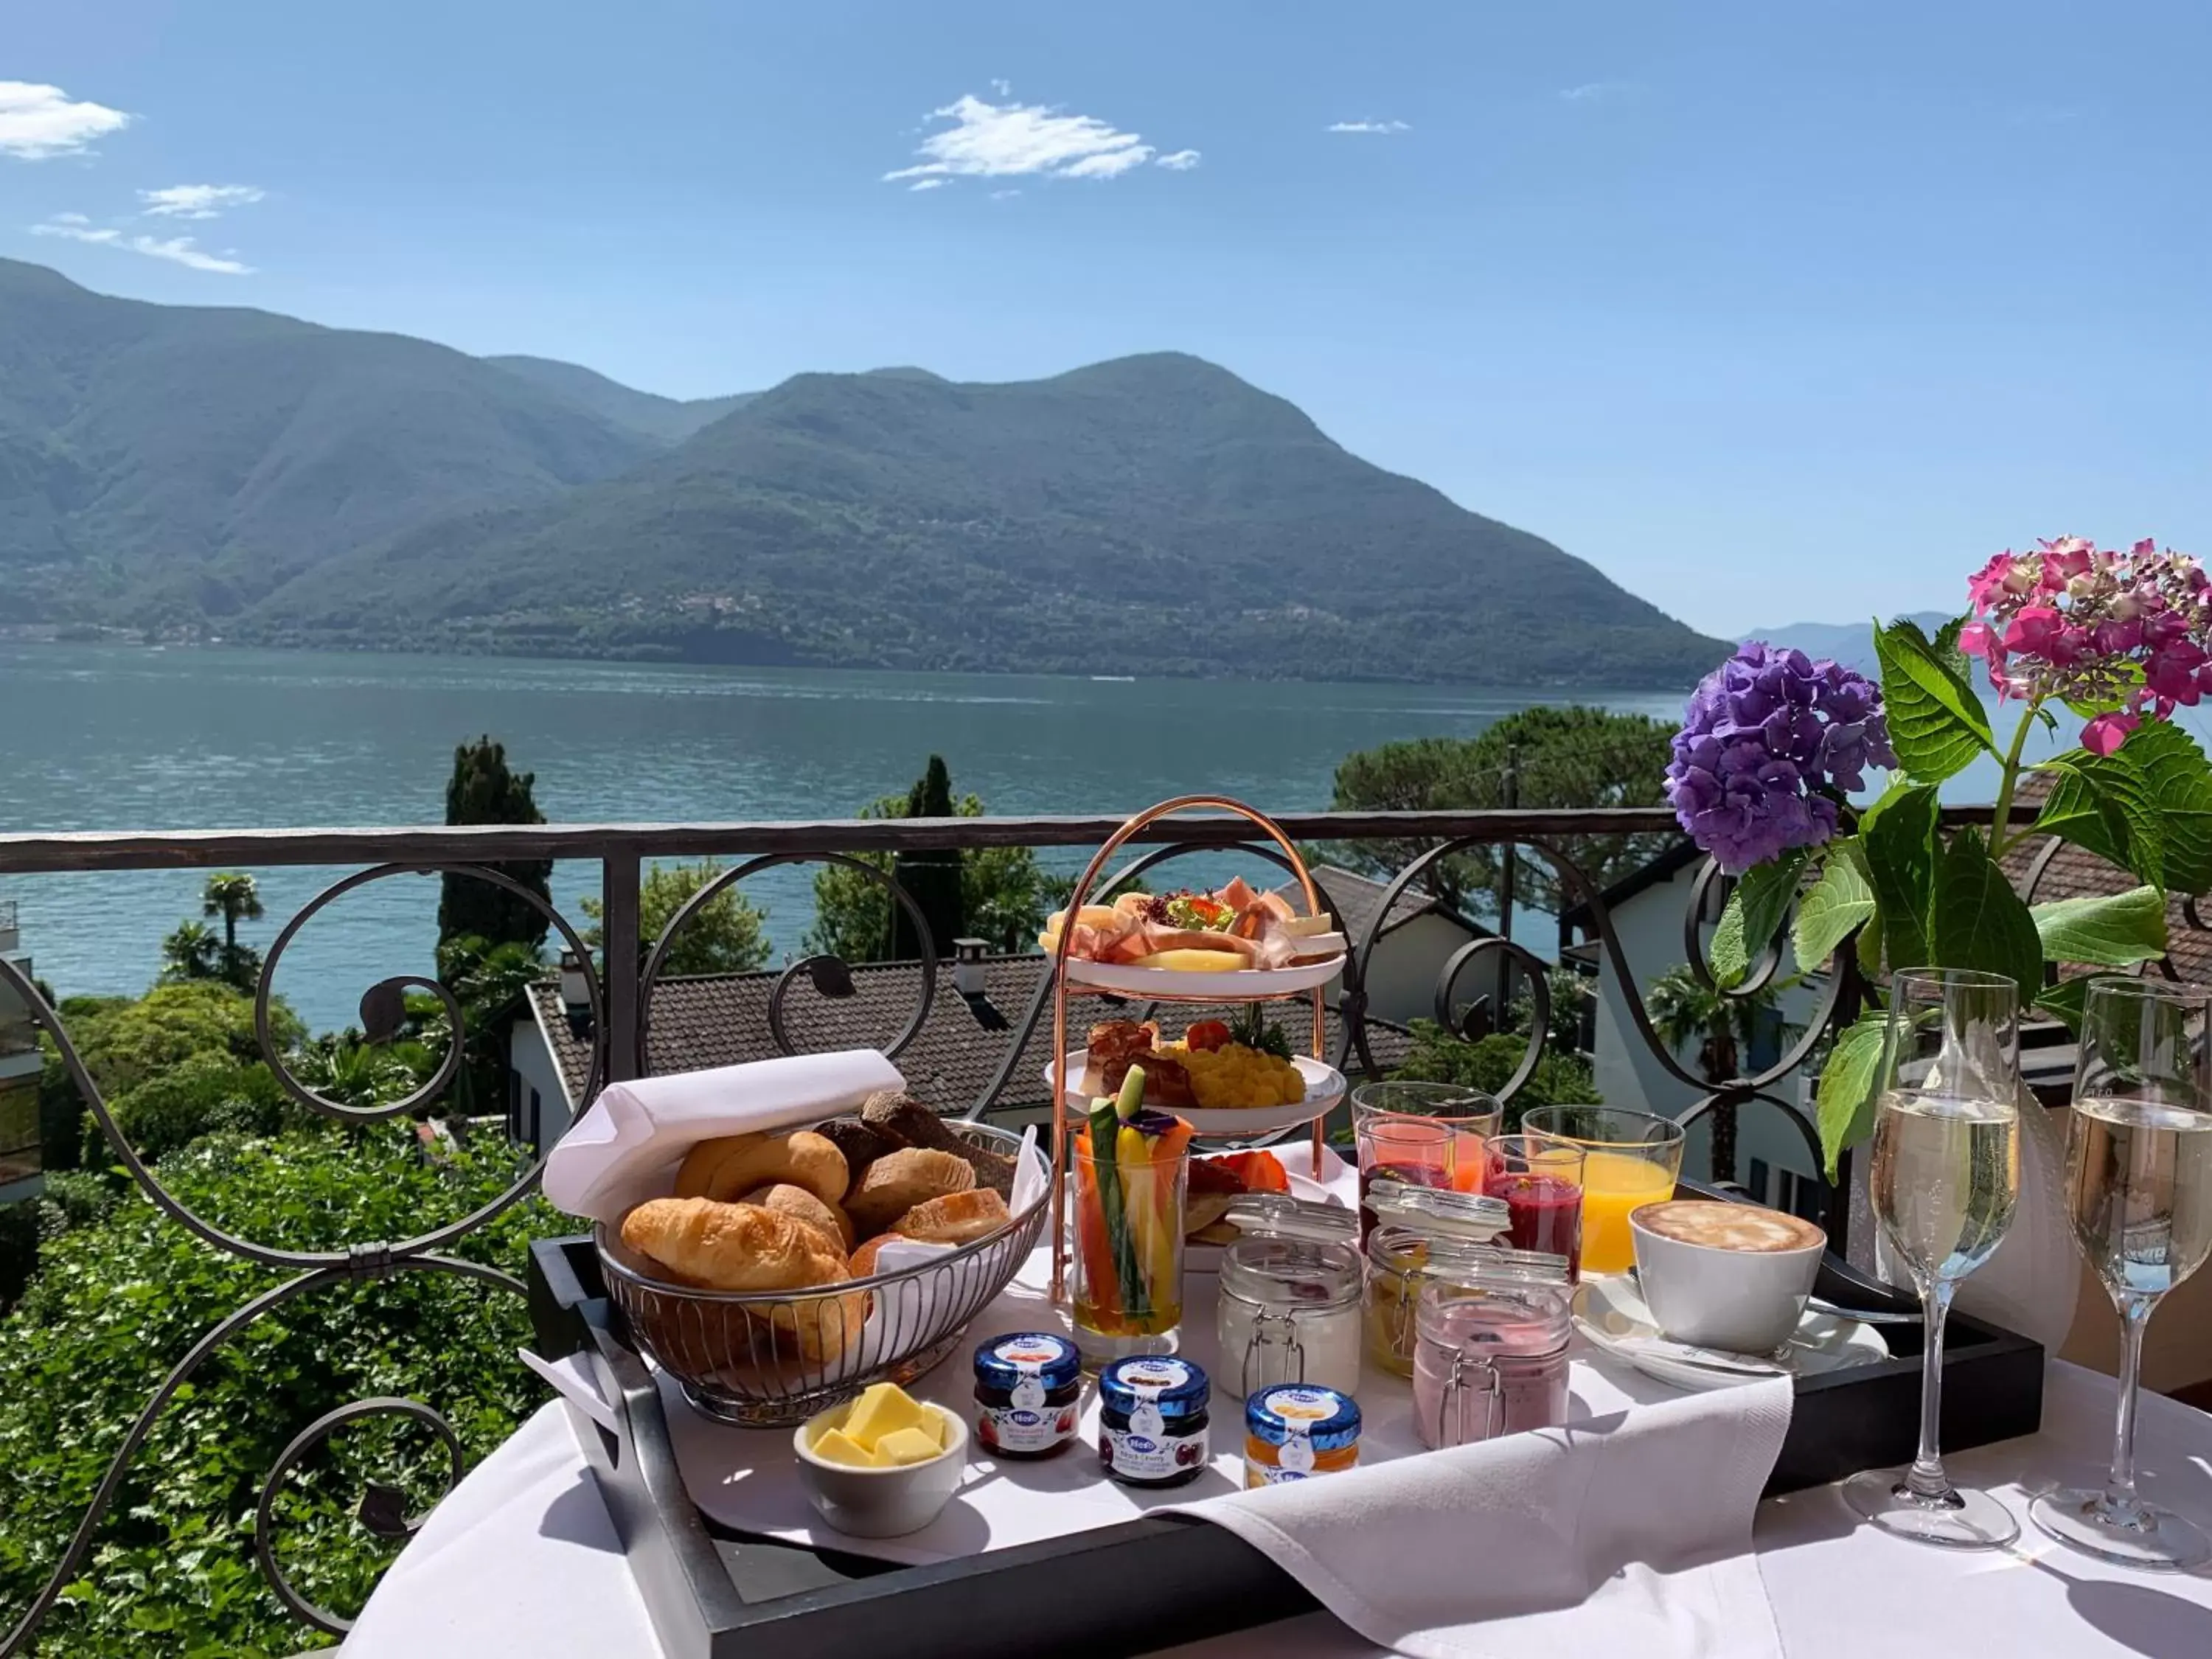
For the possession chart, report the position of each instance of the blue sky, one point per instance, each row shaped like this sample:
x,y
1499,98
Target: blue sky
x,y
1770,311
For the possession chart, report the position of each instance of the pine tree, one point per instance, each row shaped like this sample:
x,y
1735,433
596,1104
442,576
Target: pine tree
x,y
932,878
484,791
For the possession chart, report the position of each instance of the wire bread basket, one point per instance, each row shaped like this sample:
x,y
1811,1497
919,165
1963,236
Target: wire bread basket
x,y
771,1358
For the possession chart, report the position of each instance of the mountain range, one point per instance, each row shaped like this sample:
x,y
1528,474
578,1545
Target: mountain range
x,y
1850,643
203,473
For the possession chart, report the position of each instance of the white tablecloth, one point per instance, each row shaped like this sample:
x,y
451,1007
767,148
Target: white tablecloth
x,y
521,1558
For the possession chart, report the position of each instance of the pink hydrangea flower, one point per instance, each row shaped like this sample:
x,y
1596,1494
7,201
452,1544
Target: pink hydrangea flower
x,y
2129,632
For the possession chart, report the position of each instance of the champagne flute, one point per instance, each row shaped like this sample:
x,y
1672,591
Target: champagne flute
x,y
2139,1192
1944,1179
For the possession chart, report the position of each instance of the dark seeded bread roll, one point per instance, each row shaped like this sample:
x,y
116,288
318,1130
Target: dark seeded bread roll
x,y
861,1145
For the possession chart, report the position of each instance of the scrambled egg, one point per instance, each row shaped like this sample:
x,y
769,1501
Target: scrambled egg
x,y
1234,1075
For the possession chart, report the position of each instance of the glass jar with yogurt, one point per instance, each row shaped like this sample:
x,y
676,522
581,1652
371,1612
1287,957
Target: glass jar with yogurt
x,y
1288,1307
1490,1354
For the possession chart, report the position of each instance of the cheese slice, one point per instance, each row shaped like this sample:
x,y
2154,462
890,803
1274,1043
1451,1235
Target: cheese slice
x,y
836,1446
883,1409
1194,962
1307,926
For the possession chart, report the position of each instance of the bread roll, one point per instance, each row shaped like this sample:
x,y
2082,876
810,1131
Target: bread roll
x,y
957,1219
895,1183
864,1259
913,1124
723,1168
828,1219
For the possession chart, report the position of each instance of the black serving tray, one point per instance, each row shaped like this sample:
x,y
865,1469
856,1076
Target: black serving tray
x,y
713,1593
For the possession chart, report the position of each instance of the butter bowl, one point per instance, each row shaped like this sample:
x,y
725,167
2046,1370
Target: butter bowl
x,y
880,1503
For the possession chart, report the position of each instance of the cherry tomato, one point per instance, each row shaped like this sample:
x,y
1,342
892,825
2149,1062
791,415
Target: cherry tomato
x,y
1207,1034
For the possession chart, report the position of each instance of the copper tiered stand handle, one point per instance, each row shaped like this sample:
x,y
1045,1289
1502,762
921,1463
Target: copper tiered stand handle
x,y
1075,901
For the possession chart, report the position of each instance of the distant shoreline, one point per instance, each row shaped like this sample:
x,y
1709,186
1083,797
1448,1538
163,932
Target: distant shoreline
x,y
34,634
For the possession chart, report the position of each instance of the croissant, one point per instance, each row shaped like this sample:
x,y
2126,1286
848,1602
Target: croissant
x,y
745,1247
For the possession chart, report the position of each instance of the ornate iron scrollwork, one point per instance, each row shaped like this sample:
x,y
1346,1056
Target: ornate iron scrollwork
x,y
313,1270
620,1007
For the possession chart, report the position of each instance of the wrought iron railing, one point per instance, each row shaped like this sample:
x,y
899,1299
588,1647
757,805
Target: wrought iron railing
x,y
619,982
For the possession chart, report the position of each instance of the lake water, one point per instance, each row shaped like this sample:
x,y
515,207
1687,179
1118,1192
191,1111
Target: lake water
x,y
112,738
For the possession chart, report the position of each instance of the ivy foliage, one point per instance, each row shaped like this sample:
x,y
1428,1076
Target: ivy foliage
x,y
124,1295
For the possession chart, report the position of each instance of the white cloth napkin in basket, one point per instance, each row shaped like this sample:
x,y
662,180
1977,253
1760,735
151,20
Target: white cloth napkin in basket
x,y
625,1148
1628,1533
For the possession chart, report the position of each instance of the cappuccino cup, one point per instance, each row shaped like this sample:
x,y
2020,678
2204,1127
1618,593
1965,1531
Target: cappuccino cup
x,y
1725,1275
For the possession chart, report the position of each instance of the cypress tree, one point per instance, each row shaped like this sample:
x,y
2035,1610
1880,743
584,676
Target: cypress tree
x,y
932,878
483,791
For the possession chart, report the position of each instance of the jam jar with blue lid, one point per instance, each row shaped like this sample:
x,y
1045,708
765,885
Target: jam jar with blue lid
x,y
1028,1394
1295,1431
1153,1420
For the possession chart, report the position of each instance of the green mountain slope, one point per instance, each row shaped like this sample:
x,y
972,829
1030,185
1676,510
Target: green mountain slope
x,y
166,463
197,470
664,420
1152,514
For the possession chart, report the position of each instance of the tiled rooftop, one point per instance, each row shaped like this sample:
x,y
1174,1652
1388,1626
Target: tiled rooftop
x,y
722,1019
2074,873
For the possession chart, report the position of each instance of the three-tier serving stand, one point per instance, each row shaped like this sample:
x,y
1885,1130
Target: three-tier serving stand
x,y
1166,991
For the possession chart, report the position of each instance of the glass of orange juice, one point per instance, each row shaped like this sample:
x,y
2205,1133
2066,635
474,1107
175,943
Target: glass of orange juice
x,y
1629,1158
1430,1134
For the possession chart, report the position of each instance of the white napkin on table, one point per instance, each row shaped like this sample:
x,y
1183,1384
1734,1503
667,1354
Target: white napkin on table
x,y
625,1148
1628,1533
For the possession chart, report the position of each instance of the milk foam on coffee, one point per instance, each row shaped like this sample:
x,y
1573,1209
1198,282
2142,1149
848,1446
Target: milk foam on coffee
x,y
1729,1226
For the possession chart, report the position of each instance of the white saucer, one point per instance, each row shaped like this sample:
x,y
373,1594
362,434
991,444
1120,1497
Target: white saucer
x,y
1612,1314
1324,1088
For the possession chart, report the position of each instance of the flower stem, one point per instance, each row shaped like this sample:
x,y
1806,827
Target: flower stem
x,y
2011,777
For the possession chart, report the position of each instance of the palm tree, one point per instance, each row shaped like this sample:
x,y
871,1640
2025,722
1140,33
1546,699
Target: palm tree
x,y
191,952
233,895
1683,1010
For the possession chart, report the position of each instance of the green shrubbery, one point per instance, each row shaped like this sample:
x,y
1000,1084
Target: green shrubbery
x,y
125,1292
1437,1056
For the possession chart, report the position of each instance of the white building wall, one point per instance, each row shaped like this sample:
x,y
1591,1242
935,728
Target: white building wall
x,y
532,1061
1401,979
1650,928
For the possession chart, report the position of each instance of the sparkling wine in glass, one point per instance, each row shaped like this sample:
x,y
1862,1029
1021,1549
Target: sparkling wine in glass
x,y
1944,1180
2139,1193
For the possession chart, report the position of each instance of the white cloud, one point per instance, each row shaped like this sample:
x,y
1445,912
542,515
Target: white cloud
x,y
1591,92
1182,160
1367,127
73,226
1004,88
179,249
1003,195
198,201
1009,140
37,122
927,183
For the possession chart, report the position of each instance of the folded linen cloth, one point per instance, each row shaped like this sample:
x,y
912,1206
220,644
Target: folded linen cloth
x,y
1625,1533
625,1148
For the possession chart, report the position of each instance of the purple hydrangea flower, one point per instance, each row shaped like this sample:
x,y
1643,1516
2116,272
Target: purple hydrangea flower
x,y
1770,739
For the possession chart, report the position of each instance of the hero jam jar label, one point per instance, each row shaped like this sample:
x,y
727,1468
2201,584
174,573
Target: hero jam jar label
x,y
1137,1457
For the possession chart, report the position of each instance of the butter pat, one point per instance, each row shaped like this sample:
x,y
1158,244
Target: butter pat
x,y
916,1445
836,1446
884,1408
